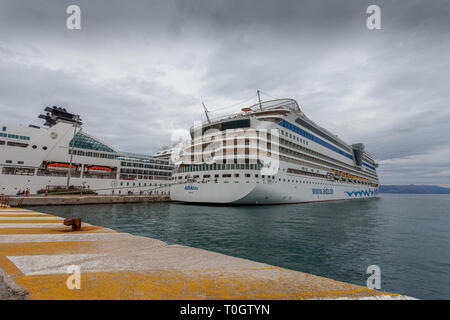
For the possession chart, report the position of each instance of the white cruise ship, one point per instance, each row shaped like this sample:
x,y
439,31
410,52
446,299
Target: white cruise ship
x,y
35,159
270,153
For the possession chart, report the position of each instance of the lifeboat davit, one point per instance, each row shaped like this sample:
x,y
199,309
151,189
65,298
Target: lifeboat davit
x,y
60,166
99,169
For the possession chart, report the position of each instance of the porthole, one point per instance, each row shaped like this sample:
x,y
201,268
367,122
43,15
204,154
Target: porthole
x,y
44,147
34,146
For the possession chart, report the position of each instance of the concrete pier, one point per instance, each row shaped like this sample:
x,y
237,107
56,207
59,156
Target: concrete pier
x,y
37,250
51,200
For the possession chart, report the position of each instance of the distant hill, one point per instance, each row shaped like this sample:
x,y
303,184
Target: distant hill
x,y
412,188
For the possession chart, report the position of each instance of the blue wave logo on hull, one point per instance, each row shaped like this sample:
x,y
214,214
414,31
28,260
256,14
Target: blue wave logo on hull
x,y
362,193
190,188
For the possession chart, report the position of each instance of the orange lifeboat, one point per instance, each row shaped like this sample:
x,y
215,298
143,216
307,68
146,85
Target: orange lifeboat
x,y
99,169
60,166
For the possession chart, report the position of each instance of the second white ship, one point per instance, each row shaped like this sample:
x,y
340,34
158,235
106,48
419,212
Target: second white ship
x,y
34,159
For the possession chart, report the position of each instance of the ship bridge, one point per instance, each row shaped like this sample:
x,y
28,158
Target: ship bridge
x,y
242,119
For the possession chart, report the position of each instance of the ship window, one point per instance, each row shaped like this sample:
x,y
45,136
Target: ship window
x,y
2,142
8,161
236,175
44,147
244,123
85,142
17,144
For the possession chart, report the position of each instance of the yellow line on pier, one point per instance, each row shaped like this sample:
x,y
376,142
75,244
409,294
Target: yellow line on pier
x,y
181,286
56,247
26,215
51,230
31,221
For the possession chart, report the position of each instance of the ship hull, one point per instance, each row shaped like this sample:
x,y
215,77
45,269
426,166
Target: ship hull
x,y
16,184
267,192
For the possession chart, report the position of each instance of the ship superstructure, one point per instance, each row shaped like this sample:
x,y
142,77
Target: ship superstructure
x,y
271,152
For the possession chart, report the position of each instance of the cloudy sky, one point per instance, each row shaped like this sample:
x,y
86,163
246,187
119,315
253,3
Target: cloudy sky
x,y
138,70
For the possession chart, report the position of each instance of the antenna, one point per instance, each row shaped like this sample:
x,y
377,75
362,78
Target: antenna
x,y
206,112
259,99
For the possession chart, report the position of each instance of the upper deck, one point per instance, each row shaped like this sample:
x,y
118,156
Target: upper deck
x,y
281,107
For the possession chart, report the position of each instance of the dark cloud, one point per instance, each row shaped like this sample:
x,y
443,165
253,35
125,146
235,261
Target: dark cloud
x,y
138,71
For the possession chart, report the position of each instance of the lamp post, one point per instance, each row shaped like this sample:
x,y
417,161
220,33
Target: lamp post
x,y
76,118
